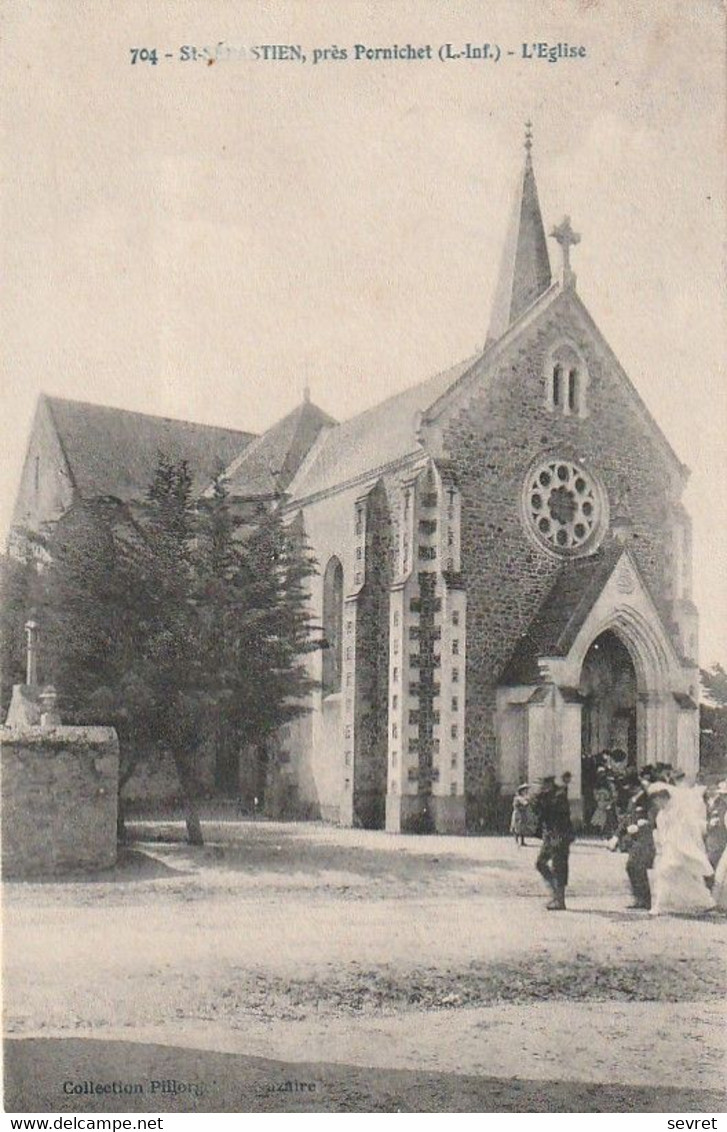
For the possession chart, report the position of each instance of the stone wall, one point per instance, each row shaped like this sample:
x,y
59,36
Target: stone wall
x,y
372,669
59,799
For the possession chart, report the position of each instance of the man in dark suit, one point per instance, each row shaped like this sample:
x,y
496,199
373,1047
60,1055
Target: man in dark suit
x,y
555,828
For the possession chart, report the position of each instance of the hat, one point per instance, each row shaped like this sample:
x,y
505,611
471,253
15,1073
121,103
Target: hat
x,y
547,778
678,775
722,787
523,786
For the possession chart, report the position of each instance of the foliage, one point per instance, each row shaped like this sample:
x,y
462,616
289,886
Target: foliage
x,y
714,682
18,593
255,627
713,721
176,621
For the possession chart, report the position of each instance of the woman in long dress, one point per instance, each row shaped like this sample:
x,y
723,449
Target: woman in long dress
x,y
520,820
681,867
603,818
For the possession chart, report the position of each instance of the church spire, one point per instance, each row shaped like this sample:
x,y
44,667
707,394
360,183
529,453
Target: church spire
x,y
525,268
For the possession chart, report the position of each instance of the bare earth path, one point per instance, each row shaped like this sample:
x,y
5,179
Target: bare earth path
x,y
344,948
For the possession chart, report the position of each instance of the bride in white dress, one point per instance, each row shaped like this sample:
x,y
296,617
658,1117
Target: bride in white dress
x,y
681,866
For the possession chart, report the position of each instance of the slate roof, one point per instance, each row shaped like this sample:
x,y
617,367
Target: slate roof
x,y
114,451
270,461
561,615
373,439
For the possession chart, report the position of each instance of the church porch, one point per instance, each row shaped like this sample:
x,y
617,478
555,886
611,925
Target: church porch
x,y
610,680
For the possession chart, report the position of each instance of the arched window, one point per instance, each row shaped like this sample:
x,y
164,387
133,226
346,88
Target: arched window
x,y
332,626
566,378
573,390
557,383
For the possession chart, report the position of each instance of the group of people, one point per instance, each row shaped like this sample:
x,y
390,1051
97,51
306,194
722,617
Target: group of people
x,y
607,783
674,837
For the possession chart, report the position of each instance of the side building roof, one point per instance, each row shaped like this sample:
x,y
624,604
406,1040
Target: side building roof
x,y
268,464
114,451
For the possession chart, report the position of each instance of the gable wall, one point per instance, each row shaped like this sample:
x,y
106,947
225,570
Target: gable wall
x,y
492,440
54,492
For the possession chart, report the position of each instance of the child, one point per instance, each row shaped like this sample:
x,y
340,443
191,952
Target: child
x,y
520,814
639,844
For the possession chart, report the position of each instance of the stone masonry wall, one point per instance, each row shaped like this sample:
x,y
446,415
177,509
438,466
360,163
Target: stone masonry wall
x,y
59,800
491,442
372,668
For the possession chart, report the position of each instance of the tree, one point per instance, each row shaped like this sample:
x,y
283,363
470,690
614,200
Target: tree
x,y
714,682
255,625
713,720
167,655
18,594
176,620
93,607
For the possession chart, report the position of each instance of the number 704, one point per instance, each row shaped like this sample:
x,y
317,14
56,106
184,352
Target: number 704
x,y
143,55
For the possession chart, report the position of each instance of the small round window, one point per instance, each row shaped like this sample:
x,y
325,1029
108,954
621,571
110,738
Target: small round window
x,y
563,506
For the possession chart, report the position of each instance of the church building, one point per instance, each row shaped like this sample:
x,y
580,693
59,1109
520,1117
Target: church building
x,y
504,583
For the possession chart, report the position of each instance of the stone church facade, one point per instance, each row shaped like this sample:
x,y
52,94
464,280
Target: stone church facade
x,y
505,572
504,579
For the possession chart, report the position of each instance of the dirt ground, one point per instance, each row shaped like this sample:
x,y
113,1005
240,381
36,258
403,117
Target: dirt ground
x,y
392,973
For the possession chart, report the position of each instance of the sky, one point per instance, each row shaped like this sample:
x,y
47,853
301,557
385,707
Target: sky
x,y
205,240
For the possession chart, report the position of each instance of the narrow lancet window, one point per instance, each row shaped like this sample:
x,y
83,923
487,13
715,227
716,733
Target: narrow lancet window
x,y
573,390
332,624
557,378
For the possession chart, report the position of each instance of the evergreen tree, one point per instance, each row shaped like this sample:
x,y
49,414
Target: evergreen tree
x,y
168,655
177,622
256,628
713,721
93,604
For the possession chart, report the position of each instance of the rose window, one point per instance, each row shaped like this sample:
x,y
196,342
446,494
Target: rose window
x,y
562,504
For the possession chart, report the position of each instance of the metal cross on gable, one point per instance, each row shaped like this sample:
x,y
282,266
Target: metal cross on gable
x,y
564,235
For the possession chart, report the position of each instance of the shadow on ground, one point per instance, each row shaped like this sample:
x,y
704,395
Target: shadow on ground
x,y
132,865
42,1074
256,848
713,916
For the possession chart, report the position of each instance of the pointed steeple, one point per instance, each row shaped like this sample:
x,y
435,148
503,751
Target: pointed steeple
x,y
525,268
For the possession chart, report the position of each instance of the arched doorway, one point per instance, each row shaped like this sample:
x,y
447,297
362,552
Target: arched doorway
x,y
609,716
